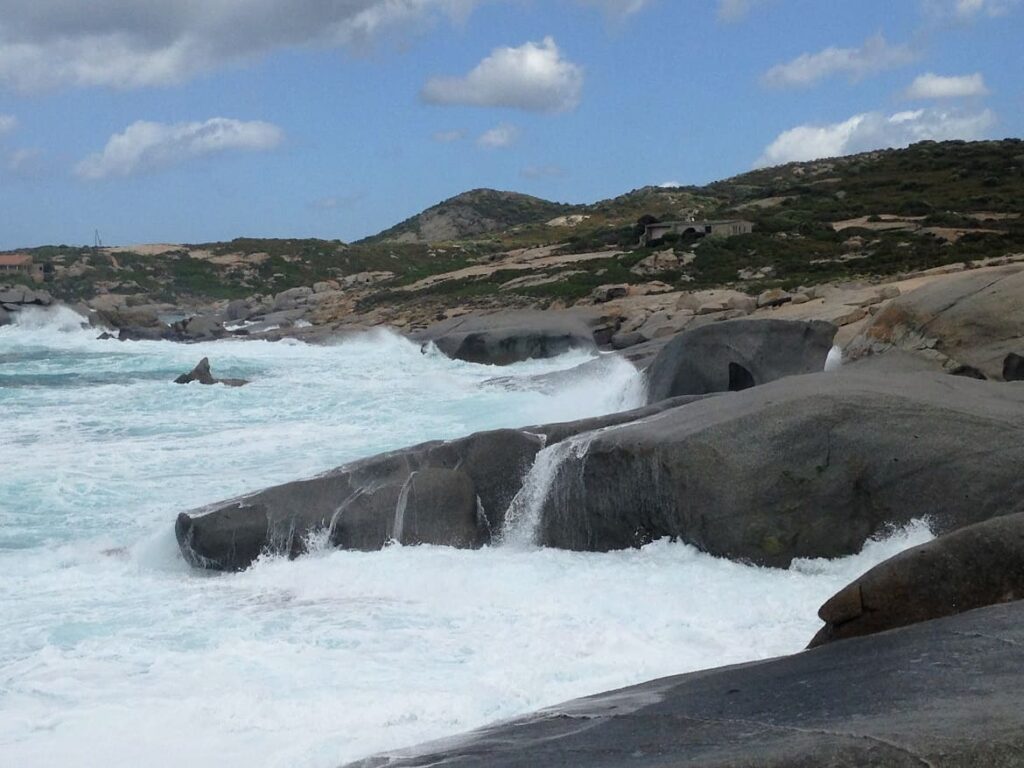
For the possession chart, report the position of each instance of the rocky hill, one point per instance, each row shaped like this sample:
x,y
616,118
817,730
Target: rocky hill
x,y
855,218
473,213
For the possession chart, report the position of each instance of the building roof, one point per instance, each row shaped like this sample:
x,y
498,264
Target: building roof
x,y
15,259
702,222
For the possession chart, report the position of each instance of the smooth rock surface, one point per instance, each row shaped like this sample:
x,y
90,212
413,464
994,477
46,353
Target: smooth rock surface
x,y
358,503
808,466
943,694
979,565
503,338
972,319
737,354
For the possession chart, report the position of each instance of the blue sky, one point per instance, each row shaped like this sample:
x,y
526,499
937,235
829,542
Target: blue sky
x,y
190,122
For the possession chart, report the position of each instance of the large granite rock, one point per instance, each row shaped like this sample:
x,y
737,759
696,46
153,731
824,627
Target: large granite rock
x,y
963,322
809,466
979,565
503,338
943,694
738,354
455,492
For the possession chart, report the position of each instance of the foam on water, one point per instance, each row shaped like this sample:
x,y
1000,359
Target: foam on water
x,y
114,653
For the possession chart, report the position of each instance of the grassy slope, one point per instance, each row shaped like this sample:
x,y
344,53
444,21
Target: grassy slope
x,y
794,238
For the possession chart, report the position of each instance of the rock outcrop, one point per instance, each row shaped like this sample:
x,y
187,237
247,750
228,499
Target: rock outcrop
x,y
737,354
808,466
201,373
970,321
979,565
503,338
944,694
454,492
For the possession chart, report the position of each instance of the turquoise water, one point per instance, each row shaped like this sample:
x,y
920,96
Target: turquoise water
x,y
114,653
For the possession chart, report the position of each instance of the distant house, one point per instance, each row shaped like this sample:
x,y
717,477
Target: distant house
x,y
20,264
720,228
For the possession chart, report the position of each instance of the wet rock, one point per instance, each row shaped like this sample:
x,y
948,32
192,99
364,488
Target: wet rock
x,y
943,694
357,504
201,374
503,338
734,354
979,565
5,317
807,466
237,310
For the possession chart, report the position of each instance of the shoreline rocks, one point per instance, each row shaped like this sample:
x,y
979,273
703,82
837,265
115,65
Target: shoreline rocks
x,y
979,565
738,354
807,466
943,693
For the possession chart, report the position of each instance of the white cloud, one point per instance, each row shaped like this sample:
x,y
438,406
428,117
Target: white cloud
x,y
876,55
670,184
499,137
7,124
448,137
47,43
968,9
618,8
932,86
874,130
532,77
735,10
543,172
146,146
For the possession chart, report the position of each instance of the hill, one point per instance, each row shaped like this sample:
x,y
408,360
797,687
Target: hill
x,y
850,218
473,213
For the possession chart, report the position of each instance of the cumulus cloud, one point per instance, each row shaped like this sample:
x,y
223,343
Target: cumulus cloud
x,y
499,137
146,146
448,137
46,43
533,77
670,184
874,130
932,86
7,124
876,55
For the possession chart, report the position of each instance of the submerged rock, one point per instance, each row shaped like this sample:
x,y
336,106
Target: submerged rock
x,y
979,565
808,466
738,354
201,373
945,693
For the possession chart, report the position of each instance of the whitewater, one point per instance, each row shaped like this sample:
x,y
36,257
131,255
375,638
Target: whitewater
x,y
113,652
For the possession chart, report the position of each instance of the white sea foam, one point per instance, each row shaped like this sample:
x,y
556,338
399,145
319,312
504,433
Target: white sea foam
x,y
114,653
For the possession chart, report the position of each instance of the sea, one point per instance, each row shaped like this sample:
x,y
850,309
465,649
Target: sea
x,y
114,652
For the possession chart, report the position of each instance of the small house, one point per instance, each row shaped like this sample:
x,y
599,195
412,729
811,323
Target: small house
x,y
20,264
718,228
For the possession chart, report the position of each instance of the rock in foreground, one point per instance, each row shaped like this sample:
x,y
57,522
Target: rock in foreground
x,y
976,566
808,466
945,694
443,492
